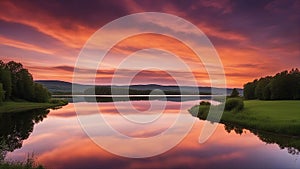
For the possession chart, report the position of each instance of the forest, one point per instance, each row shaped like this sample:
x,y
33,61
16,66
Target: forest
x,y
16,83
283,86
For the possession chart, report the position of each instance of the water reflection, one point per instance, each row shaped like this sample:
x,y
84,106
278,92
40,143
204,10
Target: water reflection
x,y
16,127
60,143
291,143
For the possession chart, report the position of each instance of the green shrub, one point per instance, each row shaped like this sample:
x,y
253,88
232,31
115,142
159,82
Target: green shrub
x,y
200,111
234,104
234,93
205,103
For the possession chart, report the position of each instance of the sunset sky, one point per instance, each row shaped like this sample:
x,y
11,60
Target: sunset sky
x,y
252,38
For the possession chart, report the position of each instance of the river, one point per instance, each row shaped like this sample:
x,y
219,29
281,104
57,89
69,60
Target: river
x,y
57,140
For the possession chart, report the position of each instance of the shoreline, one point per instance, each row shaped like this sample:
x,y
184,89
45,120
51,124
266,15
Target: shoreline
x,y
277,117
14,107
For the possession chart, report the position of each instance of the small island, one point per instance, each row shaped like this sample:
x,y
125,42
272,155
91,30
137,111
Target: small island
x,y
18,91
270,104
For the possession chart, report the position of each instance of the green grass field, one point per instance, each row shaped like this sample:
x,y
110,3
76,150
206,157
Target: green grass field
x,y
8,107
281,117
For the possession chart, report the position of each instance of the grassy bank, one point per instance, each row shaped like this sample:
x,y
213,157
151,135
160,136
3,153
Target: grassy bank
x,y
282,117
7,107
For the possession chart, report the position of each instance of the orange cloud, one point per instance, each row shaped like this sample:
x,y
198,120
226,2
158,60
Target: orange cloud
x,y
74,36
156,41
24,46
236,46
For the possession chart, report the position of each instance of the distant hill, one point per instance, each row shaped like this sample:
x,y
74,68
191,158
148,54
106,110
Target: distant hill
x,y
62,87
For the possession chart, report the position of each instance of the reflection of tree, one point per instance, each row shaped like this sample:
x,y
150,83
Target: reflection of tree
x,y
16,127
139,98
292,144
236,129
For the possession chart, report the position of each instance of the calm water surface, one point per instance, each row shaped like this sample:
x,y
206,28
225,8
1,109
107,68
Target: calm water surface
x,y
58,142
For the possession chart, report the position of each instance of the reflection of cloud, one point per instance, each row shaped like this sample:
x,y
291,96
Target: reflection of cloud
x,y
109,108
63,138
67,111
220,150
145,134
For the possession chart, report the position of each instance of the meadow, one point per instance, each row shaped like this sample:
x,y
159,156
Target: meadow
x,y
282,117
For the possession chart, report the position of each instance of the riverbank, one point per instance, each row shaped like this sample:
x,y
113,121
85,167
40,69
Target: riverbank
x,y
282,117
10,106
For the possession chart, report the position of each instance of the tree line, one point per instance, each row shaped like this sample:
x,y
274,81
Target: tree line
x,y
283,86
109,90
17,83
